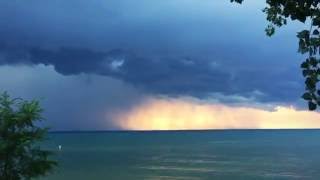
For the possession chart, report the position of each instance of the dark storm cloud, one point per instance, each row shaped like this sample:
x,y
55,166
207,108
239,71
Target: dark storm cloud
x,y
173,76
170,48
81,102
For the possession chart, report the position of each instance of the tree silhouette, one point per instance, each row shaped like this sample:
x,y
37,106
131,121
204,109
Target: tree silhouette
x,y
279,12
20,156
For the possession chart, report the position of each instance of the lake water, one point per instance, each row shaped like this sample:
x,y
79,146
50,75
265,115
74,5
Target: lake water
x,y
229,154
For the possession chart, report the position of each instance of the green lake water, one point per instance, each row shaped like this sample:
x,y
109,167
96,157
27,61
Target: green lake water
x,y
230,154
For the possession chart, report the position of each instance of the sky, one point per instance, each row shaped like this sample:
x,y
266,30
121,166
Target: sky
x,y
152,65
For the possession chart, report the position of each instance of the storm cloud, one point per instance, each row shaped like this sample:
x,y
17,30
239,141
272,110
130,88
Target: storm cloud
x,y
198,76
215,51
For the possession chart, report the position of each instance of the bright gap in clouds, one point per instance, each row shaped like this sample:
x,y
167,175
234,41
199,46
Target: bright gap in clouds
x,y
182,114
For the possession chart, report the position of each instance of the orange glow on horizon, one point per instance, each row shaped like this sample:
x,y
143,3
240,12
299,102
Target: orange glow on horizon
x,y
179,114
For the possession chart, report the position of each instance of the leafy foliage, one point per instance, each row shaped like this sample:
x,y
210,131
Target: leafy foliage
x,y
278,13
20,157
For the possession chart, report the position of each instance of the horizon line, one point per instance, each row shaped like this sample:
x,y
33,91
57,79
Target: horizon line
x,y
180,130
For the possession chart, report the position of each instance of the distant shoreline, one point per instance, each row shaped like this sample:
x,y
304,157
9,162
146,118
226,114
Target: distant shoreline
x,y
191,130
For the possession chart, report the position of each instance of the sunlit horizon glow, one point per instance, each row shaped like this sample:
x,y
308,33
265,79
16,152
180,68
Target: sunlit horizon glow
x,y
181,114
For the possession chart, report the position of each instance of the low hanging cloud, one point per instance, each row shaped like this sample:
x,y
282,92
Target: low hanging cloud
x,y
69,102
197,76
173,48
182,114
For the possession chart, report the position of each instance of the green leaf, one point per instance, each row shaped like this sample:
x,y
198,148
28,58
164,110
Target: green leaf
x,y
304,65
307,96
316,21
237,1
305,73
310,84
312,106
303,34
313,61
270,30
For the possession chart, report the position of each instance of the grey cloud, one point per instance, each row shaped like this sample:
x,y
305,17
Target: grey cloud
x,y
82,102
172,76
172,48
